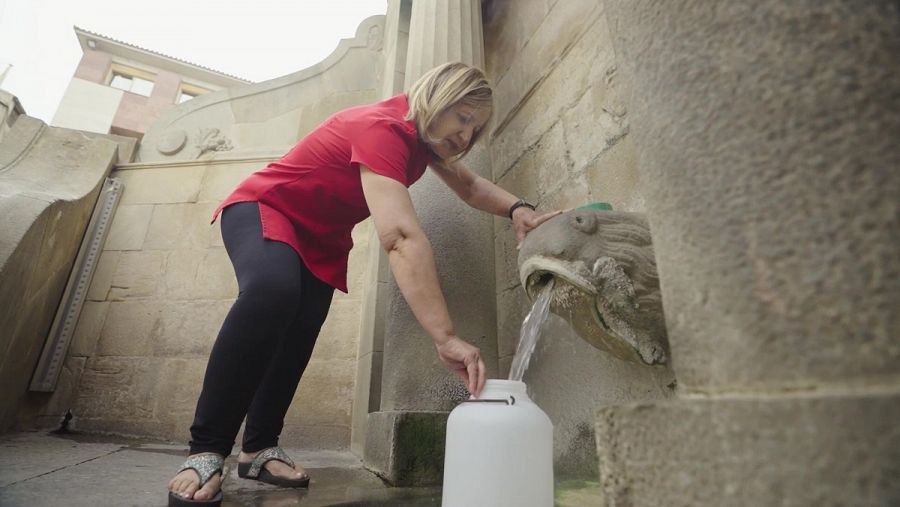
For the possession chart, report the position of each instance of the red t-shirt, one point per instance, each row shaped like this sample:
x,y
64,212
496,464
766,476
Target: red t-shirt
x,y
312,197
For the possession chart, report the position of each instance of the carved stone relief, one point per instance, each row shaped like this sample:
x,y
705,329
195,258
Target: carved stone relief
x,y
172,142
212,140
375,38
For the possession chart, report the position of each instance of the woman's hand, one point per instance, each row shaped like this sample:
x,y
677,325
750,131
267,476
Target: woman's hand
x,y
465,359
525,219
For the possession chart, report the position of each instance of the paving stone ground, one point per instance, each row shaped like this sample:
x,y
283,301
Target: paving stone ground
x,y
40,469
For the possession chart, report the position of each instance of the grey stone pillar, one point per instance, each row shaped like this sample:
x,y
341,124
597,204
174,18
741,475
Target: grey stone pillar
x,y
367,395
767,137
417,390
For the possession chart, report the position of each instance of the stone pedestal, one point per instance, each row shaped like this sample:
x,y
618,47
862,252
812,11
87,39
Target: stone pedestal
x,y
766,135
827,449
409,450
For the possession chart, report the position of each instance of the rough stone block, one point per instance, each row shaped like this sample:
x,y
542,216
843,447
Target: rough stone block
x,y
521,179
103,275
592,126
189,328
326,385
514,139
330,437
319,110
129,227
199,274
66,392
161,185
791,450
339,338
87,331
507,28
549,98
573,195
130,328
406,448
551,160
178,389
557,31
119,389
280,132
126,146
613,177
221,179
138,275
181,226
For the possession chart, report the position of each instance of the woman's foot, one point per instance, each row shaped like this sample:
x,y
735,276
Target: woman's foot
x,y
186,484
275,467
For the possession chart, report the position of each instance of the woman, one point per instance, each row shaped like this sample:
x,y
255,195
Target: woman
x,y
287,230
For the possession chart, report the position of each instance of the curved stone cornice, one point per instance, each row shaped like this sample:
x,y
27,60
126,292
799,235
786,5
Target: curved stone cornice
x,y
207,123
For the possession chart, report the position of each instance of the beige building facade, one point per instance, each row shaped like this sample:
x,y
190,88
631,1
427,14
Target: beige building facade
x,y
119,88
726,126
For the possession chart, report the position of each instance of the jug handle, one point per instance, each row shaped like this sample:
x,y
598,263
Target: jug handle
x,y
510,401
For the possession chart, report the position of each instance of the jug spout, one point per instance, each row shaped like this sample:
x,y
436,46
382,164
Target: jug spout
x,y
606,284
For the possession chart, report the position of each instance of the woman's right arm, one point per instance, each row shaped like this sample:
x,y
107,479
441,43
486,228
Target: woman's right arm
x,y
412,262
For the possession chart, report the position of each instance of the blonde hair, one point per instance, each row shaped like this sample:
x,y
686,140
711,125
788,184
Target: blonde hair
x,y
443,87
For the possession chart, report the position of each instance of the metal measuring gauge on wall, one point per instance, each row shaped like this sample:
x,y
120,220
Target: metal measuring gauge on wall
x,y
53,355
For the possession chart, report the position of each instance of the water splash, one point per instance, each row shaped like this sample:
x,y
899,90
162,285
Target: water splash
x,y
530,333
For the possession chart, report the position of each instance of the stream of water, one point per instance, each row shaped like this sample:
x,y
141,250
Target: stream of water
x,y
531,331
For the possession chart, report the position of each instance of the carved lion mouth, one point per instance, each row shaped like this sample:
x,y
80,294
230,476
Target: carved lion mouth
x,y
571,284
538,271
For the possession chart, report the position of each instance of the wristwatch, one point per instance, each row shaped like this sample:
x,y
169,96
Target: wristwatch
x,y
518,204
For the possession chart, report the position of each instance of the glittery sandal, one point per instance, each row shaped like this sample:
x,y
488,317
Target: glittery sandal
x,y
255,470
206,465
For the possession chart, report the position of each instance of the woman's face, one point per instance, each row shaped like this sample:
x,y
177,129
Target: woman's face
x,y
454,128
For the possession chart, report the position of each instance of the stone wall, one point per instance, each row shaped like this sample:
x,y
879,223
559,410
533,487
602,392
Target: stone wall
x,y
161,291
561,140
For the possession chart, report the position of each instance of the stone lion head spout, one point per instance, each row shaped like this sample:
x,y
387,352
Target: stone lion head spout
x,y
604,280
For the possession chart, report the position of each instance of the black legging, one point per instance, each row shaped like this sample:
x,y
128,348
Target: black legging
x,y
265,342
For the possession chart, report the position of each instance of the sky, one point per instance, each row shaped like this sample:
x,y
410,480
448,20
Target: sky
x,y
253,39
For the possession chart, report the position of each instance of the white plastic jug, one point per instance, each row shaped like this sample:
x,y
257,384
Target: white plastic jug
x,y
499,451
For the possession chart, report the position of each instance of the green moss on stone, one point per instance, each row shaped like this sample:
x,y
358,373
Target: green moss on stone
x,y
577,493
419,448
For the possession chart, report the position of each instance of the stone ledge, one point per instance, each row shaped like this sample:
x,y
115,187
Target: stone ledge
x,y
406,448
824,450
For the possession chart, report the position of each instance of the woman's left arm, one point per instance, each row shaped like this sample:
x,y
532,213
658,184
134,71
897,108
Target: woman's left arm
x,y
484,195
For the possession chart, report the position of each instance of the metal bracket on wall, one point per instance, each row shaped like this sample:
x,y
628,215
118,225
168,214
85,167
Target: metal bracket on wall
x,y
46,374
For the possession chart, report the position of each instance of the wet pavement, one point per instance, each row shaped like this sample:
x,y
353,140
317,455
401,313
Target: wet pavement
x,y
41,469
